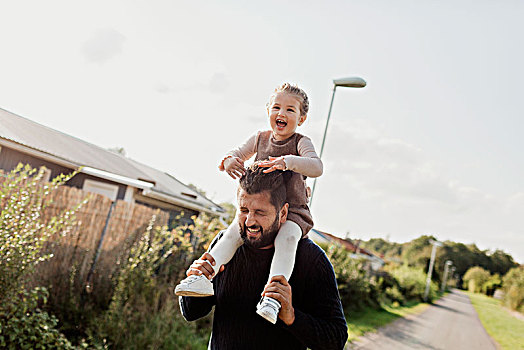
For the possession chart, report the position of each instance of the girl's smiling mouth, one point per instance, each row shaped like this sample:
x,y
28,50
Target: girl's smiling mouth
x,y
281,123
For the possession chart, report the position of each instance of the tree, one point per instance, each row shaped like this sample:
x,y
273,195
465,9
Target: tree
x,y
417,252
382,246
475,279
513,286
501,262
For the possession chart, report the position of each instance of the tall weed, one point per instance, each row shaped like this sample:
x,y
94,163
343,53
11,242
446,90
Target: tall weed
x,y
143,303
23,235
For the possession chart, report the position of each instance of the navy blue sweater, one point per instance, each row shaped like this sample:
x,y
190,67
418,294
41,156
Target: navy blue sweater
x,y
319,319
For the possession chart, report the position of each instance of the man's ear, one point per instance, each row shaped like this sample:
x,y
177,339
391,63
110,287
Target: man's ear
x,y
302,119
283,213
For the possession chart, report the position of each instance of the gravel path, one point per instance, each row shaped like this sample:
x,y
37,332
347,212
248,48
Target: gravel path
x,y
450,323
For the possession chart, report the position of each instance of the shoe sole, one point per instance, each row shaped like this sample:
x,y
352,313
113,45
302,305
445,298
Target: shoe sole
x,y
192,293
266,316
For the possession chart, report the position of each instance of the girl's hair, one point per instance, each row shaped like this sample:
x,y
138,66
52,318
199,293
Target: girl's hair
x,y
293,90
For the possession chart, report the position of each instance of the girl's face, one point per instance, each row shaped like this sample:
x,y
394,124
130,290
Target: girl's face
x,y
284,115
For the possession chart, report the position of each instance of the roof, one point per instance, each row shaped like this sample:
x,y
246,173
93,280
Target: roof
x,y
76,152
346,243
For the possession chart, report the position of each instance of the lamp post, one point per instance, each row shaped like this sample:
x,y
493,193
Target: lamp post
x,y
431,263
445,279
352,82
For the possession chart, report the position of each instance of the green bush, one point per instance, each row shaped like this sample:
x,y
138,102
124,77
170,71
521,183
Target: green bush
x,y
23,235
412,283
389,289
25,326
475,279
513,286
143,303
492,284
394,295
357,290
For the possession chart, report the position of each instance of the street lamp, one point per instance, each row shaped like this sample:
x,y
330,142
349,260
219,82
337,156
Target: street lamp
x,y
445,279
431,263
352,82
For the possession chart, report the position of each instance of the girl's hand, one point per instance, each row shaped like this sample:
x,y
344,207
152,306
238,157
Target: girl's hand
x,y
274,163
234,166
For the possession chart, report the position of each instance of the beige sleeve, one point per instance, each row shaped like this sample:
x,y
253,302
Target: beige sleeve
x,y
244,151
247,149
307,162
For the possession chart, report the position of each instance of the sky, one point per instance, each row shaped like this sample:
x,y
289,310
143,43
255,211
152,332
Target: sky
x,y
432,145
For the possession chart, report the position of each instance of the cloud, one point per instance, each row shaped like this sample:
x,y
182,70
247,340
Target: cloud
x,y
103,45
382,166
391,186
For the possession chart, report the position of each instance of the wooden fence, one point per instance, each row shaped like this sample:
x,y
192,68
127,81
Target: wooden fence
x,y
87,256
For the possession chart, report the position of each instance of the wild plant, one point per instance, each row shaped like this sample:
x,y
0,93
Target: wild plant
x,y
23,235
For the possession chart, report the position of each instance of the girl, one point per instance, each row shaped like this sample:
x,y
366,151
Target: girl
x,y
280,148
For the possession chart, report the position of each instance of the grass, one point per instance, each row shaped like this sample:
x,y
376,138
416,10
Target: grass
x,y
368,320
506,329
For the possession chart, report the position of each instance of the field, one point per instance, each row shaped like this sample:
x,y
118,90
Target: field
x,y
505,329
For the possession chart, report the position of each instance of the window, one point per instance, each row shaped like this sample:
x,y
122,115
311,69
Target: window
x,y
102,188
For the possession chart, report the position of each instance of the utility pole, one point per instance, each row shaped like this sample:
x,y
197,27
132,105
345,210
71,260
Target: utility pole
x,y
431,263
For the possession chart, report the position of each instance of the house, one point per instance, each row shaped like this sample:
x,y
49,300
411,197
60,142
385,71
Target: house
x,y
101,171
356,251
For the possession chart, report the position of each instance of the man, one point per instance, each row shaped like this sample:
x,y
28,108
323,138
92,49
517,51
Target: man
x,y
311,312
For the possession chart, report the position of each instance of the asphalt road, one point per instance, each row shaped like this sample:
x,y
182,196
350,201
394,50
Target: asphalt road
x,y
450,323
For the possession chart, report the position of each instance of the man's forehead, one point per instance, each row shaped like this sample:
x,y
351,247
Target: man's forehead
x,y
262,199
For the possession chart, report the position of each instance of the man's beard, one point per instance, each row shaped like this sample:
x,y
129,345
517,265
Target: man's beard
x,y
267,237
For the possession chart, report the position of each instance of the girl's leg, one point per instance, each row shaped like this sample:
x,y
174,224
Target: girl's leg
x,y
226,246
222,252
286,244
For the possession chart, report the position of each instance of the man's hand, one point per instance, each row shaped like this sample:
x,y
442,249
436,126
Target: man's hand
x,y
278,288
274,163
234,166
203,266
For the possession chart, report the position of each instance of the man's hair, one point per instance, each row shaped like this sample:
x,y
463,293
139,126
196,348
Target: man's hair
x,y
255,181
292,90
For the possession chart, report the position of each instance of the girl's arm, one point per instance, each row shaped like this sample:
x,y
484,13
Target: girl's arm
x,y
233,162
243,152
307,162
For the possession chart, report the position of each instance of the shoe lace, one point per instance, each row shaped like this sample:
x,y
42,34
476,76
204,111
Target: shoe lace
x,y
272,303
191,279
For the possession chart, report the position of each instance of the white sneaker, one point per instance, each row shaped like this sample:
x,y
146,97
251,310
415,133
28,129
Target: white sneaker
x,y
195,286
269,309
